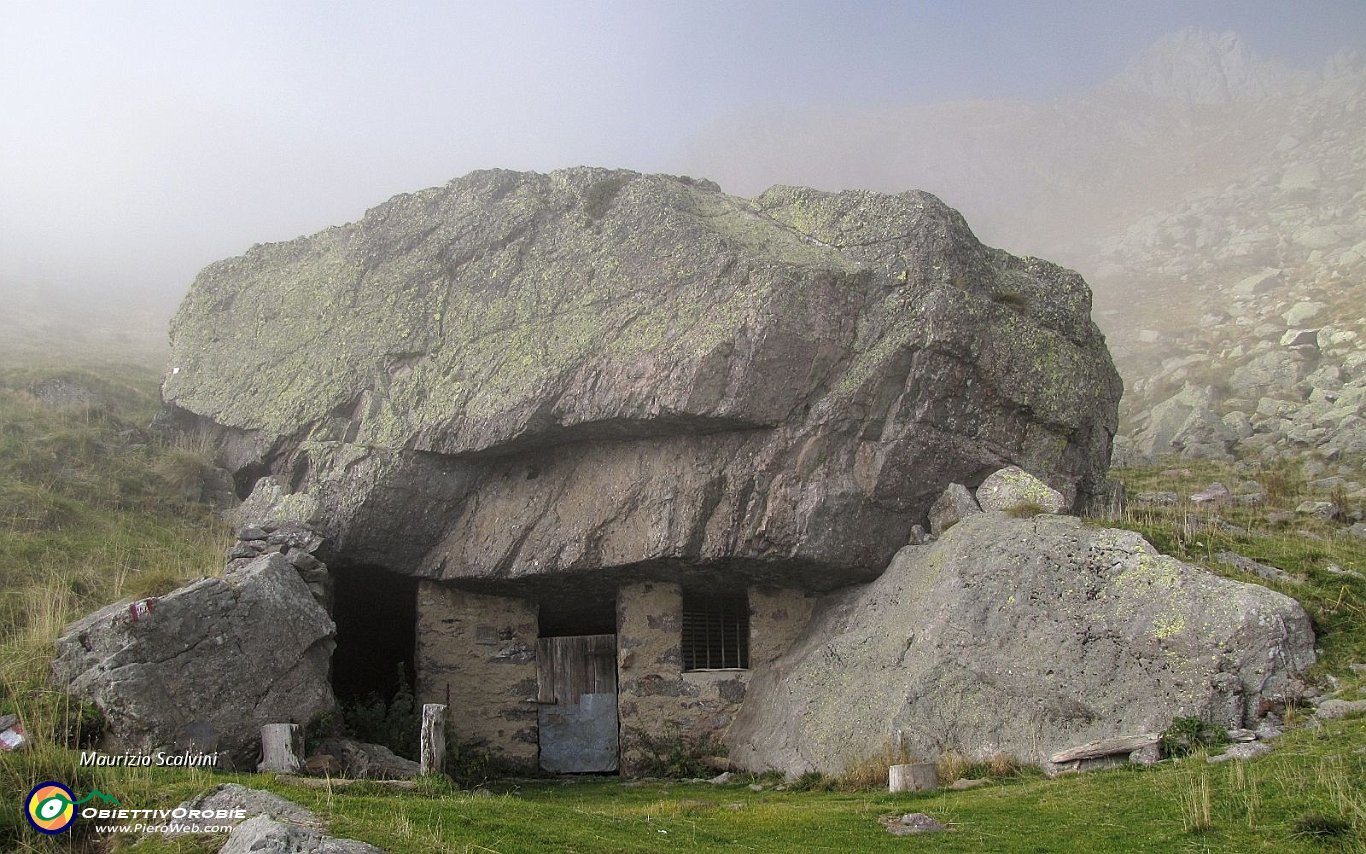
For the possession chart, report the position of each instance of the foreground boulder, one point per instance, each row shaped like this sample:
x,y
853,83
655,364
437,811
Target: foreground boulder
x,y
952,506
231,797
264,835
520,375
204,667
361,760
1013,489
1021,636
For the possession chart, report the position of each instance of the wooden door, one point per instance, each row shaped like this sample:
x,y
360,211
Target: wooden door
x,y
576,681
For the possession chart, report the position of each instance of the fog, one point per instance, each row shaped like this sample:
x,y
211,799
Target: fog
x,y
141,141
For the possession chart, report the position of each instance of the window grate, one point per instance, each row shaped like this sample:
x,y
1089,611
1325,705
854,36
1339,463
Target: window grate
x,y
715,631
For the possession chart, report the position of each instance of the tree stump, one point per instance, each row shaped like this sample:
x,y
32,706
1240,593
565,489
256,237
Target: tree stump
x,y
433,751
917,777
282,748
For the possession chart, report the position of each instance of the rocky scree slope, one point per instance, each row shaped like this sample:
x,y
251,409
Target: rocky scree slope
x,y
1268,359
520,375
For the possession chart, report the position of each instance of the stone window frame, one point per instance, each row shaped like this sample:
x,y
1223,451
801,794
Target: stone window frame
x,y
714,631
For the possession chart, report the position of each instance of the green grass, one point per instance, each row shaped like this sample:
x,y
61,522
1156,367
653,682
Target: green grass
x,y
93,508
1258,806
1304,547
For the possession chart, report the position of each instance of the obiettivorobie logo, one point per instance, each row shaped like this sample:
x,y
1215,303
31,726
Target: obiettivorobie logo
x,y
51,807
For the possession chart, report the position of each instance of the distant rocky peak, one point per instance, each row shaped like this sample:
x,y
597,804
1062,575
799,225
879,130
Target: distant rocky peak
x,y
1201,67
1346,62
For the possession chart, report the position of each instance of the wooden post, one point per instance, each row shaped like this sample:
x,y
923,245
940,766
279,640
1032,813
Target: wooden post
x,y
433,755
912,778
282,748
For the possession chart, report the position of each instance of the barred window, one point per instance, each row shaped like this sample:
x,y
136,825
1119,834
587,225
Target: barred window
x,y
715,631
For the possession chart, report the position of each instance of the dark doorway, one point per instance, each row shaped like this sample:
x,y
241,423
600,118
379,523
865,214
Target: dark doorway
x,y
376,615
586,612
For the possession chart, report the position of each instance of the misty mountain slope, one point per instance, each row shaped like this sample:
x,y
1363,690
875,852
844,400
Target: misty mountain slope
x,y
50,325
1199,166
1272,264
1208,68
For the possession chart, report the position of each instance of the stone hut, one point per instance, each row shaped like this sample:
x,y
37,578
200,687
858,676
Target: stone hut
x,y
582,447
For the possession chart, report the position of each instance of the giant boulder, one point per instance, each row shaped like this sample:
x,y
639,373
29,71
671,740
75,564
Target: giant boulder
x,y
518,375
204,667
1020,636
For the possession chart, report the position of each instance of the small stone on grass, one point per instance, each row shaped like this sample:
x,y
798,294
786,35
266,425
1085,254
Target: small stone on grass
x,y
912,822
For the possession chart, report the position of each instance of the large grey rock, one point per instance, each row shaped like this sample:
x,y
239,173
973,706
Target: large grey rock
x,y
253,802
363,760
1239,425
264,835
518,375
1321,509
1273,370
953,505
1021,636
1264,282
1301,176
206,665
1159,499
1241,752
1215,495
1184,418
1303,310
1300,338
1013,487
64,393
1124,744
1332,569
1334,708
1247,564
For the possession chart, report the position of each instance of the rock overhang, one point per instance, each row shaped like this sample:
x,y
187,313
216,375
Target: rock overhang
x,y
520,374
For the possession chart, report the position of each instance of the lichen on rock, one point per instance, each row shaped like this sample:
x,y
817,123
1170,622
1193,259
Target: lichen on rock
x,y
519,375
1021,636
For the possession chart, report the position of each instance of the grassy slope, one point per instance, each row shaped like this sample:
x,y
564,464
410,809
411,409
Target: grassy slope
x,y
1305,546
92,508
